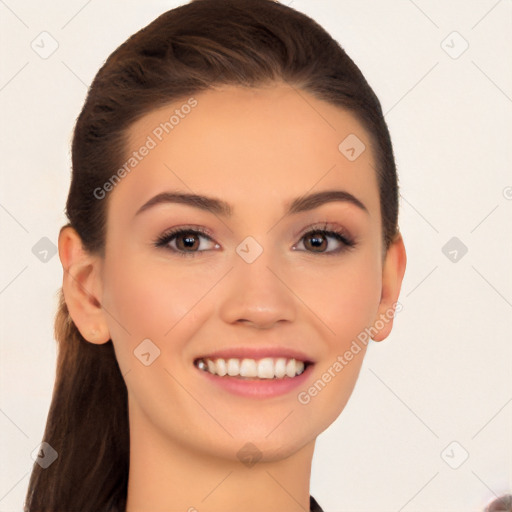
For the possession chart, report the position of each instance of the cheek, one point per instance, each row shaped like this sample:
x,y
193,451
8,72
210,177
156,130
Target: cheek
x,y
147,300
355,305
347,305
344,295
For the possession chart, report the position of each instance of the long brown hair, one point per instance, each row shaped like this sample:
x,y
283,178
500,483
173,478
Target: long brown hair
x,y
184,51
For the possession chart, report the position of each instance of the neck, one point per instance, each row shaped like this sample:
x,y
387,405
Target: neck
x,y
167,476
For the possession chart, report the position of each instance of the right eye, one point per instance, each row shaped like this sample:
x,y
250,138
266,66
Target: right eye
x,y
183,241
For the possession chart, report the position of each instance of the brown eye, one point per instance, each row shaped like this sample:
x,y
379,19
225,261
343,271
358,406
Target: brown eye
x,y
317,241
185,242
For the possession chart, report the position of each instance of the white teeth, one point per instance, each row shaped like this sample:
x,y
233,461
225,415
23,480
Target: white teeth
x,y
280,368
290,368
220,366
266,368
211,366
249,368
233,367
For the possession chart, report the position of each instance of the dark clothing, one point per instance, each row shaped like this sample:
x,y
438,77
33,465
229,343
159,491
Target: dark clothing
x,y
313,505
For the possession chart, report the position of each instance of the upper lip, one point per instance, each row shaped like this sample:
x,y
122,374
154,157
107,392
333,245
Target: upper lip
x,y
257,353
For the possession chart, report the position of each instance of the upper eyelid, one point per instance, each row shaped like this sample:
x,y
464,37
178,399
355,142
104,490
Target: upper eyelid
x,y
322,226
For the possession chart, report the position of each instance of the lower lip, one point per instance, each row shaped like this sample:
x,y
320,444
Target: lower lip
x,y
261,388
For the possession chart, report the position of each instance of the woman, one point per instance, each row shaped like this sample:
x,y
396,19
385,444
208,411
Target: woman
x,y
232,245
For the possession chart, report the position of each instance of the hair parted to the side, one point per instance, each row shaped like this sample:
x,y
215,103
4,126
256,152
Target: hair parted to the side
x,y
184,51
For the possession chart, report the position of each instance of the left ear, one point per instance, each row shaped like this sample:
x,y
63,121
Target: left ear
x,y
392,275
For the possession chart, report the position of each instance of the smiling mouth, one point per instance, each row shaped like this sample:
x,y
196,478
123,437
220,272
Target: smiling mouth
x,y
256,369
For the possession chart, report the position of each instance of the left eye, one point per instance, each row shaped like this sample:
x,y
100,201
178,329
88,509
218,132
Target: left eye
x,y
316,239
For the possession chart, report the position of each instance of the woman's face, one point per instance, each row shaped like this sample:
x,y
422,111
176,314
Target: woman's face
x,y
253,284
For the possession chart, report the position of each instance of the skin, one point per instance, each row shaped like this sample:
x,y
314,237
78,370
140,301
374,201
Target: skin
x,y
257,149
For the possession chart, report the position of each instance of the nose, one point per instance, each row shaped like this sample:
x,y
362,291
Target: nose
x,y
257,295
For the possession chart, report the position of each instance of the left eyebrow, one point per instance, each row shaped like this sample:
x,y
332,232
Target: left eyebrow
x,y
312,201
220,207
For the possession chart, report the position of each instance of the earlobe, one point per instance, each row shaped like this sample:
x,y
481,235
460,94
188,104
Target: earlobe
x,y
82,287
392,275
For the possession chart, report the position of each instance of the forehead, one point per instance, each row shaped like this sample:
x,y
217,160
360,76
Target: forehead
x,y
252,146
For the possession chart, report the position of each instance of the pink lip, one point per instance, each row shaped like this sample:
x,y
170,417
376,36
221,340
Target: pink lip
x,y
263,388
258,353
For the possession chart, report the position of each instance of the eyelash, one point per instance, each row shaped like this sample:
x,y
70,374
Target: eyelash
x,y
340,235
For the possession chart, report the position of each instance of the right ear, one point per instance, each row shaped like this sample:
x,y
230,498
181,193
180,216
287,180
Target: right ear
x,y
82,287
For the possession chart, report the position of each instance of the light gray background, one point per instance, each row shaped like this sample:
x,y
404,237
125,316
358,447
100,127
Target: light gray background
x,y
443,375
